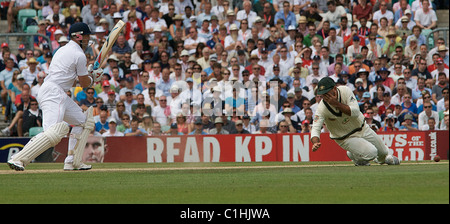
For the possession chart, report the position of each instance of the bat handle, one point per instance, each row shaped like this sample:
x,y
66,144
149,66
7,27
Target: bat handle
x,y
96,65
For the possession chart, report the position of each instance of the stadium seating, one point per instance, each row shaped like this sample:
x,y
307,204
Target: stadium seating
x,y
35,131
23,15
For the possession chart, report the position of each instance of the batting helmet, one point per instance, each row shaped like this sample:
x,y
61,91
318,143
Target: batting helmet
x,y
78,29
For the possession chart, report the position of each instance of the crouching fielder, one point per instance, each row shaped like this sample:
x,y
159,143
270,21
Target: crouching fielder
x,y
340,111
68,65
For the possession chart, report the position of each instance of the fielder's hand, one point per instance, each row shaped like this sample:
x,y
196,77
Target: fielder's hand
x,y
96,74
316,146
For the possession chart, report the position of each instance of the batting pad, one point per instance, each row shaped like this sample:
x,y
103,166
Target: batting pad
x,y
41,142
78,150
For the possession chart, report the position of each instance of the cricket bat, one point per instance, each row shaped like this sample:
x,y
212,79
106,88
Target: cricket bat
x,y
110,40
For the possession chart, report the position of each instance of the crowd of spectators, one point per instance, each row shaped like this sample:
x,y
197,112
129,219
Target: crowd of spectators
x,y
237,66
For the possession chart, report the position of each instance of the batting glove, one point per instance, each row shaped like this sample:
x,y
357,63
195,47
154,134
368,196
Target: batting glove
x,y
96,74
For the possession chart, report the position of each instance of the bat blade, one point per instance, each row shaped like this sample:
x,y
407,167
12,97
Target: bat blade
x,y
109,42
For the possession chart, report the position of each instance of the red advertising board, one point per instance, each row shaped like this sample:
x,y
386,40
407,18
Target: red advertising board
x,y
408,146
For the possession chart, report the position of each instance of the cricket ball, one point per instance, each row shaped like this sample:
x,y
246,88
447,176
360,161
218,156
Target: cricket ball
x,y
437,158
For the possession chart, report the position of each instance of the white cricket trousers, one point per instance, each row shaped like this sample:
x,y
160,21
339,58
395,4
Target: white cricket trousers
x,y
57,107
364,145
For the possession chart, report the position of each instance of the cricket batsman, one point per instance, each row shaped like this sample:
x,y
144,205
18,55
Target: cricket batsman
x,y
69,64
339,110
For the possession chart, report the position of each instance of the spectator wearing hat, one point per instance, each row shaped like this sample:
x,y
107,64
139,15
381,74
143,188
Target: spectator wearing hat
x,y
408,124
105,89
113,62
218,127
391,43
387,81
440,67
31,72
112,131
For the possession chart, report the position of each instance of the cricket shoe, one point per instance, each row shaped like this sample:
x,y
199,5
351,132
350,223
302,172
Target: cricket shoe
x,y
361,163
69,166
392,160
16,165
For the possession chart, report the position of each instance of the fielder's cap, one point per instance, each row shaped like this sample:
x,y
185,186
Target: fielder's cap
x,y
366,95
408,11
112,120
22,47
291,27
355,38
359,80
238,122
174,126
230,12
45,46
20,76
290,95
189,79
325,85
193,19
305,122
111,92
439,61
298,60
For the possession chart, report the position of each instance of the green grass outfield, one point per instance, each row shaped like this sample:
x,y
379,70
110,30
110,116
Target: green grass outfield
x,y
224,183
